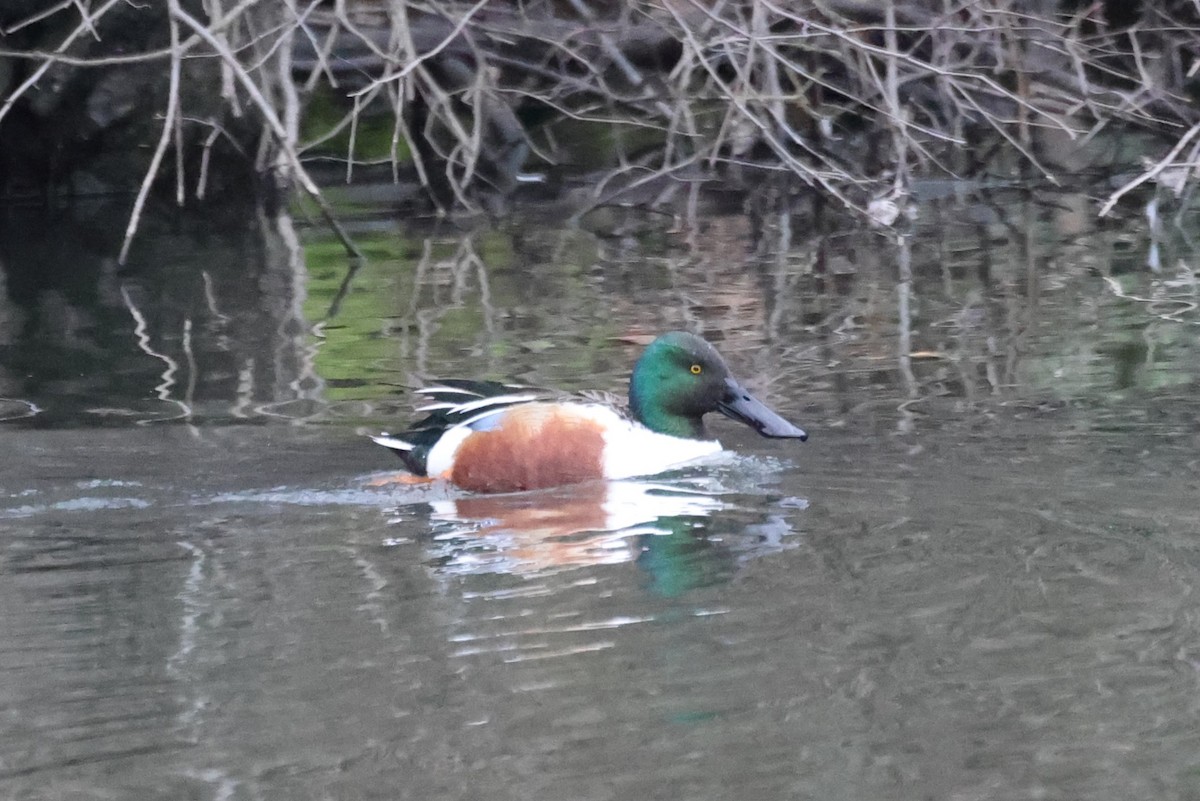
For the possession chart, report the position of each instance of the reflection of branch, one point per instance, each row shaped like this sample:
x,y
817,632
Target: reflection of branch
x,y
904,333
1185,305
335,305
31,409
189,392
244,395
466,261
296,323
485,298
163,389
415,318
210,298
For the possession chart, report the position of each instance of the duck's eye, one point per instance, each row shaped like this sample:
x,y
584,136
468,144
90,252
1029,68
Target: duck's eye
x,y
697,369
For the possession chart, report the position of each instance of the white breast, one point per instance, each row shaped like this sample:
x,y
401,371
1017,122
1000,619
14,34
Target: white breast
x,y
631,449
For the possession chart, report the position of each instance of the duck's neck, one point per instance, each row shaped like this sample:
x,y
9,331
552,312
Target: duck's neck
x,y
654,417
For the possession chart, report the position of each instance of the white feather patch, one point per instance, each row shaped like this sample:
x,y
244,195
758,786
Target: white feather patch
x,y
441,455
388,441
634,450
440,390
433,407
497,400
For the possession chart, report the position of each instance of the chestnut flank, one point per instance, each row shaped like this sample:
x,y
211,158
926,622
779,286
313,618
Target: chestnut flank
x,y
535,446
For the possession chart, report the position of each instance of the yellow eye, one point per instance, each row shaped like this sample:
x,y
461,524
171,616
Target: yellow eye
x,y
697,369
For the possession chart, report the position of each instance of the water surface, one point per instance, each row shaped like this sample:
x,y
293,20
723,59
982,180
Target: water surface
x,y
976,580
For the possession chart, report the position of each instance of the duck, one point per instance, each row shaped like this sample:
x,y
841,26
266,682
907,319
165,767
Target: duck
x,y
493,437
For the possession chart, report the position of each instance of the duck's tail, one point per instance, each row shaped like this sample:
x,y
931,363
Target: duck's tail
x,y
455,403
411,453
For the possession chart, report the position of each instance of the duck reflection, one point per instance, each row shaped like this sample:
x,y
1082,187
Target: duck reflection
x,y
652,524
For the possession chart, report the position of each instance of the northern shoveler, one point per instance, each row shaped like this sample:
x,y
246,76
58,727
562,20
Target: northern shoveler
x,y
487,436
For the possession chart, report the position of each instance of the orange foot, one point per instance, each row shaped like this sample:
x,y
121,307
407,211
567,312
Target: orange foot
x,y
407,479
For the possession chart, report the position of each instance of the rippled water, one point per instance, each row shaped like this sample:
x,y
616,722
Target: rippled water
x,y
976,580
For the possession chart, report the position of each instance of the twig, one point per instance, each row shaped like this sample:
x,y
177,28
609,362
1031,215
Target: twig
x,y
419,59
1162,164
37,74
164,139
38,17
277,128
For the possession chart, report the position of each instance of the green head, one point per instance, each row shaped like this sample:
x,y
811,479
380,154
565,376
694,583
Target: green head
x,y
680,378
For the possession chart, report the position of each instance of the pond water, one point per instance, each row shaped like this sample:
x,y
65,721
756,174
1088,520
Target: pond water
x,y
977,579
